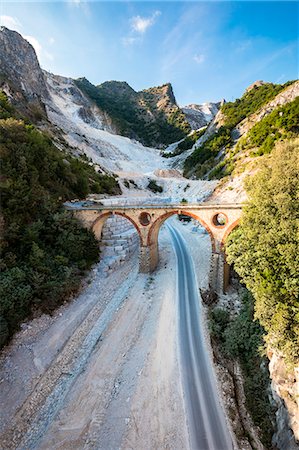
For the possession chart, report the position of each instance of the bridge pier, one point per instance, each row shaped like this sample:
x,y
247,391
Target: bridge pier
x,y
149,258
144,258
219,273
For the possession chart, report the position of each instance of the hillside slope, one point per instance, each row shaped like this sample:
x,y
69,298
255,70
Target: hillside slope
x,y
151,116
56,105
244,130
92,132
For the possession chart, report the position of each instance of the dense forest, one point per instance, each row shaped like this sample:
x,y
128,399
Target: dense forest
x,y
44,251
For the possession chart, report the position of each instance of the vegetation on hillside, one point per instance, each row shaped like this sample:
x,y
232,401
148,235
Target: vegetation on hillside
x,y
265,248
282,123
154,187
203,157
44,251
136,115
209,157
185,144
241,339
250,102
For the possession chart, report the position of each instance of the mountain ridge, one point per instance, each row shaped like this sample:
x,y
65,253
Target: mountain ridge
x,y
150,116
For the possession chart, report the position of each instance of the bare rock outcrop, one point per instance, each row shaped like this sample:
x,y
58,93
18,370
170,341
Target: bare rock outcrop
x,y
199,116
20,66
285,391
256,84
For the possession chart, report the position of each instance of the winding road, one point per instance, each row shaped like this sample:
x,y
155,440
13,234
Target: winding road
x,y
205,417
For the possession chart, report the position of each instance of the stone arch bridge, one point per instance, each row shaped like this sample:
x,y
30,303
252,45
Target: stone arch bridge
x,y
218,219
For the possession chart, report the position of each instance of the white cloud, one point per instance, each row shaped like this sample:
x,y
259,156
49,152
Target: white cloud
x,y
10,22
51,40
81,5
199,59
141,24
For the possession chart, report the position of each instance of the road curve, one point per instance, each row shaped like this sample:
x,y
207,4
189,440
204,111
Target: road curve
x,y
205,418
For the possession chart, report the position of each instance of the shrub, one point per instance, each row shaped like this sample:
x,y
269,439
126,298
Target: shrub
x,y
250,102
203,159
282,123
209,149
154,187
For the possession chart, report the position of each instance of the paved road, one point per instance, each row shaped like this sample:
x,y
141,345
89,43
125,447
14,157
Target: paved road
x,y
205,418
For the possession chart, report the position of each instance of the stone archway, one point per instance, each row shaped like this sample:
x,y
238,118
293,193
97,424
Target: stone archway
x,y
99,222
153,233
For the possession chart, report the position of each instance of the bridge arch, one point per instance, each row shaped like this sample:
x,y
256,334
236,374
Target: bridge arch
x,y
98,224
153,234
156,225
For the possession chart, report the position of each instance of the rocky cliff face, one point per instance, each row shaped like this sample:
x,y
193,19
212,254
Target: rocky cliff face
x,y
56,105
19,65
199,116
257,83
161,97
285,390
151,116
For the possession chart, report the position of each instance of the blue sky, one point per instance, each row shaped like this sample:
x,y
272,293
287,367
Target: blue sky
x,y
207,50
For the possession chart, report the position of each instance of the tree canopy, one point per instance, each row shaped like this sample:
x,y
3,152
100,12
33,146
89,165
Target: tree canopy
x,y
265,247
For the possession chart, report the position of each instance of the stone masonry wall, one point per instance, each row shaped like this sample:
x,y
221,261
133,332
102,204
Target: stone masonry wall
x,y
119,242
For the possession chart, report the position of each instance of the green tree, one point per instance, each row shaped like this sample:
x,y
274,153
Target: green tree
x,y
265,248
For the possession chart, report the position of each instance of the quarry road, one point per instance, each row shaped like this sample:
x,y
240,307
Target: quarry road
x,y
205,418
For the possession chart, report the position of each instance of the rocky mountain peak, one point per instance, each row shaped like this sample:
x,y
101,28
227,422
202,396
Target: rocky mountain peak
x,y
201,115
20,67
257,83
163,95
167,90
119,88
